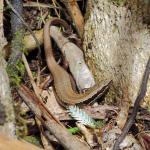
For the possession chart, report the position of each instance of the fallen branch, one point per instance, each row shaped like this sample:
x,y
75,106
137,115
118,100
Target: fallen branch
x,y
37,91
67,140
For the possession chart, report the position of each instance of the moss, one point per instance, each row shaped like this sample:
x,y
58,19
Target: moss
x,y
17,47
21,129
16,72
33,139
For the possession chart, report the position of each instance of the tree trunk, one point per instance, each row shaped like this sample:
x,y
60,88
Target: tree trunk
x,y
117,44
7,118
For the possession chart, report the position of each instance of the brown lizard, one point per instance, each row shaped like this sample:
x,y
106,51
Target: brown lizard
x,y
62,83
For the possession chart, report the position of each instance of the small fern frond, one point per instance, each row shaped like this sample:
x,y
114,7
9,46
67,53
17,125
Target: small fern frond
x,y
81,116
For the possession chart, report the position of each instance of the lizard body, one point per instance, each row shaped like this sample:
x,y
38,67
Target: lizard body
x,y
62,82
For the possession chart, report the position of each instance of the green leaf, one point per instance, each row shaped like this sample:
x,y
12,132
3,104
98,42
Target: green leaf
x,y
74,130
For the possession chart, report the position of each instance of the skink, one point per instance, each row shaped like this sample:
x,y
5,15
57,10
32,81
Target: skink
x,y
62,83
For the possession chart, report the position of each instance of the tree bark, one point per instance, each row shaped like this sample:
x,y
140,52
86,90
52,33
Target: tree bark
x,y
117,44
120,44
7,118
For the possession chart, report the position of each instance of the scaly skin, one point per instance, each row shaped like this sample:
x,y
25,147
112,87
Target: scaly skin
x,y
62,82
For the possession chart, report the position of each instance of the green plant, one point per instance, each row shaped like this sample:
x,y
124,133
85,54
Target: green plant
x,y
74,130
84,118
16,72
33,139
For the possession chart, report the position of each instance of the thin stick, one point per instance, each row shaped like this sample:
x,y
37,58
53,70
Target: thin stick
x,y
36,89
54,3
42,5
41,13
26,25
